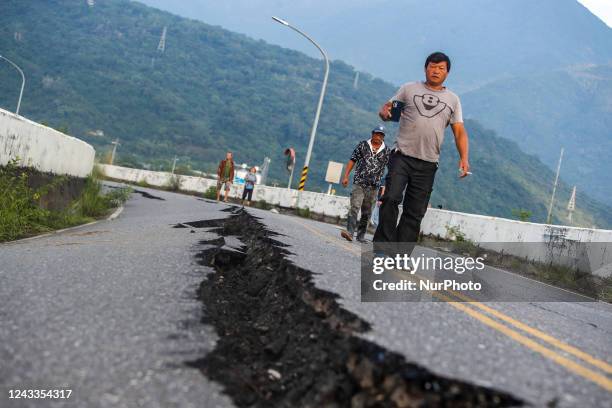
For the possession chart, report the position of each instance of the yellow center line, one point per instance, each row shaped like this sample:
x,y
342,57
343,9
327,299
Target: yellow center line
x,y
571,365
538,333
587,373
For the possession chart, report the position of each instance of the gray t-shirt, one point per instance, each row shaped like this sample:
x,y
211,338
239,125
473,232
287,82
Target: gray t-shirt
x,y
425,115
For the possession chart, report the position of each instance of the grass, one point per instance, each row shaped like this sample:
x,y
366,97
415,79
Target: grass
x,y
21,212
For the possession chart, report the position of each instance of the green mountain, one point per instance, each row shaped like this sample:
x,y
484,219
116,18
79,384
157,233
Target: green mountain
x,y
211,90
542,78
486,39
570,108
507,179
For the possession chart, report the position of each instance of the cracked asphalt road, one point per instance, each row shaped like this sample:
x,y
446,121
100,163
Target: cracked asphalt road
x,y
450,341
109,311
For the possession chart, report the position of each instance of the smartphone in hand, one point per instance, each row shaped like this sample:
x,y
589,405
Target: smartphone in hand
x,y
396,110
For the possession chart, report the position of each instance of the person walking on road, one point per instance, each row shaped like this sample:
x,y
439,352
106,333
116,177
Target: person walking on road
x,y
427,108
369,158
249,185
225,175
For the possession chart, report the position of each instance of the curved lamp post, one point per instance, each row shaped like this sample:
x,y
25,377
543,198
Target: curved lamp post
x,y
22,81
316,120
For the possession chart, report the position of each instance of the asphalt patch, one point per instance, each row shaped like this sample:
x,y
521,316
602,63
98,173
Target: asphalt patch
x,y
147,195
284,342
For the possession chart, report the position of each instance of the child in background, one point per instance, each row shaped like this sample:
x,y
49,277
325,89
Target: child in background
x,y
249,184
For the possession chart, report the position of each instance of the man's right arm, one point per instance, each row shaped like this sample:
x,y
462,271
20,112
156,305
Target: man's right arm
x,y
349,167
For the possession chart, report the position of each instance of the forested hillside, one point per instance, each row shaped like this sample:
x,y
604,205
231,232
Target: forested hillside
x,y
98,68
537,72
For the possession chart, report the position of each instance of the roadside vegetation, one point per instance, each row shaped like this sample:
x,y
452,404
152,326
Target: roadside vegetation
x,y
22,213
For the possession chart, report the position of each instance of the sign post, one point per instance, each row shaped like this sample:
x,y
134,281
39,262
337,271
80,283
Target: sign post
x,y
334,172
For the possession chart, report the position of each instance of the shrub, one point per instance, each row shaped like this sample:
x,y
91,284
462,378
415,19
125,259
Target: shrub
x,y
521,214
303,212
21,214
454,233
92,203
211,193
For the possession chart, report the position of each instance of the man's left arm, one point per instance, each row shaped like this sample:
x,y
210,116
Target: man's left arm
x,y
461,140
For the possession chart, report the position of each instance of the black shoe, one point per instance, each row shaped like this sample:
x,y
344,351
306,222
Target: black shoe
x,y
362,239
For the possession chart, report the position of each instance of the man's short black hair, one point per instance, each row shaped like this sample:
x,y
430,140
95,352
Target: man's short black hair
x,y
438,57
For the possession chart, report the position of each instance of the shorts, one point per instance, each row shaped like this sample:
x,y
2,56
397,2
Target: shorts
x,y
220,183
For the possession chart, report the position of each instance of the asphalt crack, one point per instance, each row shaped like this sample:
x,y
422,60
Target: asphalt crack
x,y
149,195
284,342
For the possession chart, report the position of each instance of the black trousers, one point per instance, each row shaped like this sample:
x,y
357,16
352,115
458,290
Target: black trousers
x,y
247,193
414,178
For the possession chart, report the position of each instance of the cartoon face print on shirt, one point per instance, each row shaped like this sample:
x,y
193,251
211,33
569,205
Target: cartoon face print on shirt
x,y
428,105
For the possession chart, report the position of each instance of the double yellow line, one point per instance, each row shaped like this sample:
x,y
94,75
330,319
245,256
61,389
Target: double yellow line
x,y
513,328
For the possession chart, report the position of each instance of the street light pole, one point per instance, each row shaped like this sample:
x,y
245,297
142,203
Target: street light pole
x,y
313,132
22,82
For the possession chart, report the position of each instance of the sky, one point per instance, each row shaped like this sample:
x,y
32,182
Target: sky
x,y
601,8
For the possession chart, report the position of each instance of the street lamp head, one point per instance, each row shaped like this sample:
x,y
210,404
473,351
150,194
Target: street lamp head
x,y
279,20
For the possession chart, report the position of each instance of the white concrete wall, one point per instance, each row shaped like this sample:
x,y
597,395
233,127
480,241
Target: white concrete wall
x,y
586,249
43,148
333,206
589,250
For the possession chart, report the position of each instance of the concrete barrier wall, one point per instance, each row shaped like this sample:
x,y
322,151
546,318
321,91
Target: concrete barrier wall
x,y
328,205
586,249
43,148
589,250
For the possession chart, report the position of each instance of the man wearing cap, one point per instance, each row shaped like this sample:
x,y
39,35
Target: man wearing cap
x,y
427,108
369,158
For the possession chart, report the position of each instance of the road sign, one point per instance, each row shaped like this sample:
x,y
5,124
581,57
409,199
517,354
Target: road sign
x,y
334,172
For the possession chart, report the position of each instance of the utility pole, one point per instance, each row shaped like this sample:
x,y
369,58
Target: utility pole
x,y
571,206
552,197
174,164
264,170
115,143
161,47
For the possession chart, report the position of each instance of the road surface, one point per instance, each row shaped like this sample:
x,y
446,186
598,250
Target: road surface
x,y
109,311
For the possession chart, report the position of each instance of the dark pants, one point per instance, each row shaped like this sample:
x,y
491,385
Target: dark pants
x,y
417,178
362,198
247,193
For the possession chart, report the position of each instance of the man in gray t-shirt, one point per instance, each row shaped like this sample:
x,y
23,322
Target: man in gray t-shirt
x,y
427,108
426,113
